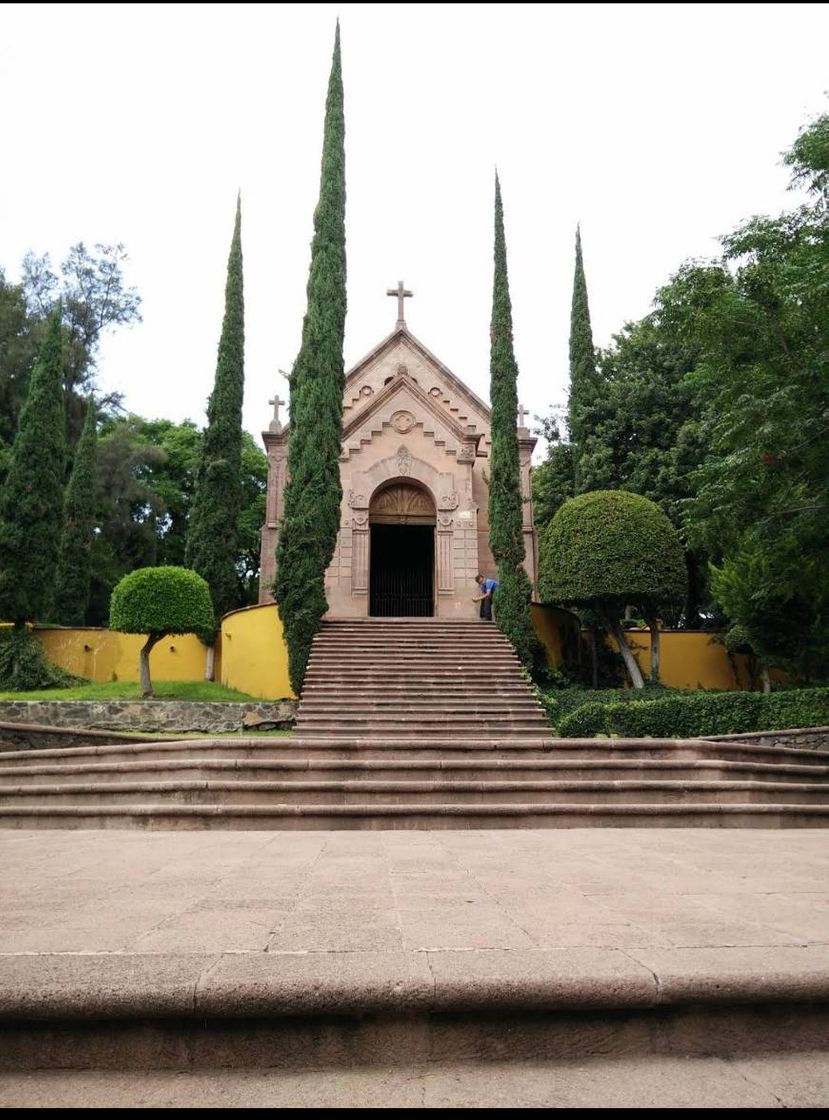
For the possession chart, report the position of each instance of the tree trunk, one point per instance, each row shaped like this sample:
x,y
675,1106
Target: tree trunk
x,y
634,672
653,626
765,678
144,664
594,657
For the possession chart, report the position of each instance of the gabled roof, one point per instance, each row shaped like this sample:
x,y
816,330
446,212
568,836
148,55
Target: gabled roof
x,y
401,382
403,333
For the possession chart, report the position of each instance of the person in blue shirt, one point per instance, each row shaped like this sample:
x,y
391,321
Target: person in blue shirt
x,y
488,588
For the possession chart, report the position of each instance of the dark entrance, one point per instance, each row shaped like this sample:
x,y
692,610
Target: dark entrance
x,y
402,570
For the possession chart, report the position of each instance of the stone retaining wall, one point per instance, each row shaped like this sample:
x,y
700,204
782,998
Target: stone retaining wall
x,y
152,715
803,737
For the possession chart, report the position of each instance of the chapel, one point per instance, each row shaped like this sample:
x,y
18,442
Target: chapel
x,y
414,527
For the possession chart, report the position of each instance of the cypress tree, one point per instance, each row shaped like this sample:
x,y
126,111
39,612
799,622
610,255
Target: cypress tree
x,y
584,381
506,532
212,533
313,492
74,567
31,505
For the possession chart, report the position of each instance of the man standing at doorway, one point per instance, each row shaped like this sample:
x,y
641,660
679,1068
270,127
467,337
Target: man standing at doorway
x,y
488,588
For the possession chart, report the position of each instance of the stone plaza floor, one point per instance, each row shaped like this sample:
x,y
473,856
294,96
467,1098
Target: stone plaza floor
x,y
313,920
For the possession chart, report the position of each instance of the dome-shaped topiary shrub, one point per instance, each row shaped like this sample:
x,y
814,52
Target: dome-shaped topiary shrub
x,y
609,549
160,601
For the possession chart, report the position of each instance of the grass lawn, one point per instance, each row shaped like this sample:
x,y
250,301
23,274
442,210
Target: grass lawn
x,y
125,690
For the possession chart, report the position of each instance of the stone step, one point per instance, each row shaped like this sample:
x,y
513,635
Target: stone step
x,y
461,706
416,748
395,817
394,692
402,680
501,715
303,769
415,659
450,647
411,793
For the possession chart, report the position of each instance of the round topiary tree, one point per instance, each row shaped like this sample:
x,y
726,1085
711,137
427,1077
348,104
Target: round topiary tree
x,y
157,602
609,549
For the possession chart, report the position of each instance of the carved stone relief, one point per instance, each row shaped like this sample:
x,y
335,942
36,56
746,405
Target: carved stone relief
x,y
402,421
404,459
402,504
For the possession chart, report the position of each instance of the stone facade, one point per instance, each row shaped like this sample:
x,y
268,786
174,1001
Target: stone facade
x,y
151,715
415,450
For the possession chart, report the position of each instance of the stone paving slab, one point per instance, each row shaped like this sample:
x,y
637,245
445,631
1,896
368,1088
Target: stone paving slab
x,y
129,923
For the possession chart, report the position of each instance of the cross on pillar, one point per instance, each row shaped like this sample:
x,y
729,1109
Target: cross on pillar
x,y
522,412
401,294
276,423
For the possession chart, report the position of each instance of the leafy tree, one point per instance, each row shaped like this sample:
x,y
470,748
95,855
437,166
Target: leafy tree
x,y
73,577
649,432
761,511
212,536
553,481
174,455
145,482
93,297
313,493
506,528
31,503
607,549
130,512
157,602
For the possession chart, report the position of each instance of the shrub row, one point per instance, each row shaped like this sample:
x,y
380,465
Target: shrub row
x,y
561,702
700,713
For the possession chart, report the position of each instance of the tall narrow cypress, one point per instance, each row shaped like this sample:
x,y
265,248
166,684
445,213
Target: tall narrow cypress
x,y
506,530
584,381
74,564
31,504
212,533
313,492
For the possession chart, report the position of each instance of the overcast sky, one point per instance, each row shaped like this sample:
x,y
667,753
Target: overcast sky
x,y
658,127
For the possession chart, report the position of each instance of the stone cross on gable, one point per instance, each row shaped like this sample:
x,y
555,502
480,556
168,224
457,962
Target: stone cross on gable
x,y
401,294
522,413
276,423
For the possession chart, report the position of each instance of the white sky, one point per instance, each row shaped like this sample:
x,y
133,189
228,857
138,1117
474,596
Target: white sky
x,y
657,126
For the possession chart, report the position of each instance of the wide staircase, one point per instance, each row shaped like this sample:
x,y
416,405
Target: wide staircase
x,y
415,723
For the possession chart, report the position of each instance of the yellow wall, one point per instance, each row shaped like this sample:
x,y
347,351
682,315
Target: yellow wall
x,y
252,657
254,654
107,655
250,654
558,631
690,659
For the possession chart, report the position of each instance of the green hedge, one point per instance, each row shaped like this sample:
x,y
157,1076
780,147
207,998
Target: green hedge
x,y
561,702
700,713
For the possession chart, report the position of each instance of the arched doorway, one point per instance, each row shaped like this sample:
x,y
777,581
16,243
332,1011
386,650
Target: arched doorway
x,y
402,567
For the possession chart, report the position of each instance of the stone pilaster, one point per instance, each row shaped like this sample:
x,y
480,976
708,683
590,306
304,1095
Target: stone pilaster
x,y
276,447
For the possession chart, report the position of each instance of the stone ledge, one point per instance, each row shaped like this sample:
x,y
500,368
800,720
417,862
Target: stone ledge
x,y
69,987
149,715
